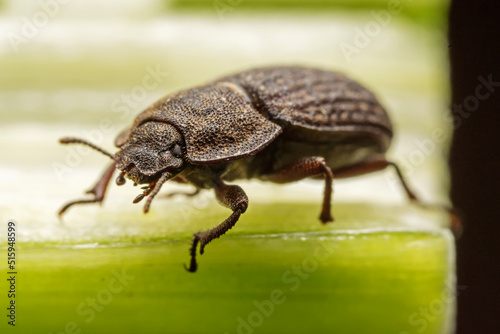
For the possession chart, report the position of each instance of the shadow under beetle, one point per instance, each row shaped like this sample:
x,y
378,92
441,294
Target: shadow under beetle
x,y
278,124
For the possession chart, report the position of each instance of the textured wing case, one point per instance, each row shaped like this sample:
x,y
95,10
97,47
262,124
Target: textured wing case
x,y
238,115
217,121
313,99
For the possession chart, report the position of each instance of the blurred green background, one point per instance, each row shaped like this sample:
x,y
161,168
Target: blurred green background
x,y
86,65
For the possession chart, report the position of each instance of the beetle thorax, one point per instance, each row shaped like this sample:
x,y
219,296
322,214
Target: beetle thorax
x,y
151,149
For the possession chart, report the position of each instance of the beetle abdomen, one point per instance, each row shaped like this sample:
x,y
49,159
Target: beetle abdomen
x,y
328,103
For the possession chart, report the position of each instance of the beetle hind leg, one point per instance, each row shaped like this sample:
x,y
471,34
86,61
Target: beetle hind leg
x,y
380,164
98,191
455,219
304,168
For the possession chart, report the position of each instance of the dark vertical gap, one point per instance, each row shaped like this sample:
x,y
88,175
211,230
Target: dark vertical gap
x,y
474,38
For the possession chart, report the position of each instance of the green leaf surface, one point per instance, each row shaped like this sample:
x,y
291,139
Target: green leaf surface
x,y
278,271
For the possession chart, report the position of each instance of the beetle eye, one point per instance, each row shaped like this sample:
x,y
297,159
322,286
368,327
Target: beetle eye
x,y
176,151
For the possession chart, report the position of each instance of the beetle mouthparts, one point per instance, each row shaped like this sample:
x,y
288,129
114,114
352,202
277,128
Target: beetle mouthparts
x,y
120,180
71,140
146,192
139,198
153,191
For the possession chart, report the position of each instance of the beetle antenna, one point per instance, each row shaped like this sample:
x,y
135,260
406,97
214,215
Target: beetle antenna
x,y
164,178
71,140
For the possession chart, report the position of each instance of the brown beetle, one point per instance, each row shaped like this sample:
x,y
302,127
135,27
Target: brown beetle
x,y
278,124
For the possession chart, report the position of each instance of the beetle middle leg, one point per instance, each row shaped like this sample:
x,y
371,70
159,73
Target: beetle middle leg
x,y
99,190
304,168
230,196
182,193
181,180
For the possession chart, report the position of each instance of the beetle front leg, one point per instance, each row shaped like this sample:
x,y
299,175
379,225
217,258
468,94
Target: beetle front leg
x,y
230,196
304,168
99,190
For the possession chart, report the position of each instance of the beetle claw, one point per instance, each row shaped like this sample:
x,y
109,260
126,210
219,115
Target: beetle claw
x,y
326,218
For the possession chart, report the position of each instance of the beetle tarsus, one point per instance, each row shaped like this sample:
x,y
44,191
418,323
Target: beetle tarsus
x,y
70,204
455,217
193,266
326,217
205,237
98,191
231,196
380,164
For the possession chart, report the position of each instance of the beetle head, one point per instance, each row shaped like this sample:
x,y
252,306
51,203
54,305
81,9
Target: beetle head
x,y
152,154
152,149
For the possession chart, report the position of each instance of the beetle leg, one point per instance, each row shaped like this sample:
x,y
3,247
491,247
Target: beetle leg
x,y
382,163
194,193
304,168
230,196
99,190
374,166
455,220
179,179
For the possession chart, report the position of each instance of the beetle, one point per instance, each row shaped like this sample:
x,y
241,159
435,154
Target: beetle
x,y
279,124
